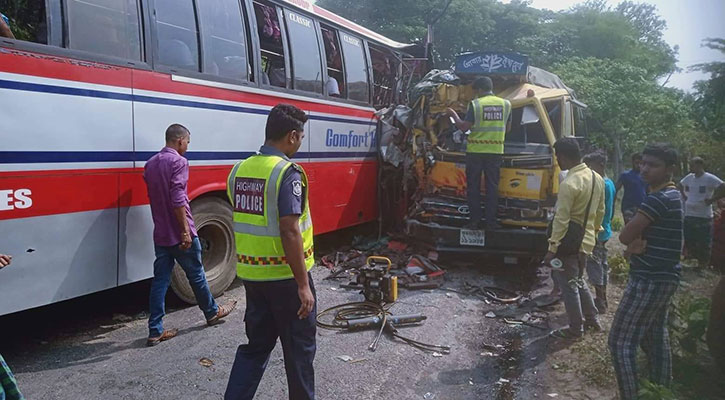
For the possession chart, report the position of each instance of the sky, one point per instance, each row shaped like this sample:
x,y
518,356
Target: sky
x,y
688,22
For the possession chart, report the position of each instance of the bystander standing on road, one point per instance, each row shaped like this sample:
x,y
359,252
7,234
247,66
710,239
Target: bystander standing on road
x,y
597,263
8,385
635,190
654,241
717,253
274,238
698,191
175,237
579,214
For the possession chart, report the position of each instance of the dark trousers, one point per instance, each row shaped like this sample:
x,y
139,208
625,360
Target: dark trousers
x,y
272,313
490,165
698,238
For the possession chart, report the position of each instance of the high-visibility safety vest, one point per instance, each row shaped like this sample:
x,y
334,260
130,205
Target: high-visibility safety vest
x,y
489,127
253,188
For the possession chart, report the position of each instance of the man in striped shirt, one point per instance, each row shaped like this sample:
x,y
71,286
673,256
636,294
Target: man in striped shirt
x,y
654,241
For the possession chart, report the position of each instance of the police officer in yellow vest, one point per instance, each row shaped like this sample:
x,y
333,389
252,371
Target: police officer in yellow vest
x,y
488,118
273,232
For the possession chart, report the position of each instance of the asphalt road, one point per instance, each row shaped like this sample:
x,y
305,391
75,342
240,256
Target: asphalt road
x,y
94,348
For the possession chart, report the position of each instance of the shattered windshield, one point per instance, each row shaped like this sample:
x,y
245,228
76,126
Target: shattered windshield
x,y
526,127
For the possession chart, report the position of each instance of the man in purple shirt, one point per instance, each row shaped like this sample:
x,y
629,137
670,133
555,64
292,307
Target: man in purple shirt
x,y
175,237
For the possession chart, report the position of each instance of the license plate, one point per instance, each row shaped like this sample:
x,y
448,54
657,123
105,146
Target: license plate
x,y
472,238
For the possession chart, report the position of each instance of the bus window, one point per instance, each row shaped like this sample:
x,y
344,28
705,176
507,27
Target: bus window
x,y
105,27
355,68
305,51
335,85
270,45
27,20
384,73
177,44
225,52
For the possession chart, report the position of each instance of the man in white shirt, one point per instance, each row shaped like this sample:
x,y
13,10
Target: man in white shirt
x,y
698,190
332,87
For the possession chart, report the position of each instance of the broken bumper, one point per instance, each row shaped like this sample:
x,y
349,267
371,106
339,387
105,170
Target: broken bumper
x,y
506,241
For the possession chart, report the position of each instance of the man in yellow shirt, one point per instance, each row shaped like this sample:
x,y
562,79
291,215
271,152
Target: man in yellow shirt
x,y
580,185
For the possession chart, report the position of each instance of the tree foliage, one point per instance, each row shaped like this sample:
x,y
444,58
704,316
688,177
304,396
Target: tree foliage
x,y
627,109
631,32
612,57
710,94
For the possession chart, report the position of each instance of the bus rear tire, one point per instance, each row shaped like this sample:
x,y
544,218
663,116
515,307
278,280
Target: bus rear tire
x,y
213,220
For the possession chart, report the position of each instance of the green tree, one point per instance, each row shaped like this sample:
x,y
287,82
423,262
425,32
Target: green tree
x,y
631,32
611,56
627,109
467,25
710,94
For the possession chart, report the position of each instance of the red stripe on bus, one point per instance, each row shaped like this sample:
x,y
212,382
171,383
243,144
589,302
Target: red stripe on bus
x,y
341,193
45,66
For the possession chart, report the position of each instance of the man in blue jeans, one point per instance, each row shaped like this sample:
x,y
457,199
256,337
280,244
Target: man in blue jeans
x,y
175,238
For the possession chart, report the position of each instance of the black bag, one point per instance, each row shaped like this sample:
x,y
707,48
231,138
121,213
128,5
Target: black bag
x,y
572,241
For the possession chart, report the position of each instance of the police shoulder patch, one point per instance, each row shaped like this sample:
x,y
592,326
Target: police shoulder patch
x,y
298,168
297,188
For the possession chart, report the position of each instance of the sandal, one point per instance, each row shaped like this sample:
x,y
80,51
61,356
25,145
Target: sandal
x,y
224,310
593,326
165,335
565,333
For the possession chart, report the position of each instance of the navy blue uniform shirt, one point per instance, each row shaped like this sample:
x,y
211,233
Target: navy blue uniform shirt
x,y
291,191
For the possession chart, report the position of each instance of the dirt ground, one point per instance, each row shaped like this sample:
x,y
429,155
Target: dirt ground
x,y
584,370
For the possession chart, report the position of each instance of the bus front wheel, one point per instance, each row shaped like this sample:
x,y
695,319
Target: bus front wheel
x,y
213,220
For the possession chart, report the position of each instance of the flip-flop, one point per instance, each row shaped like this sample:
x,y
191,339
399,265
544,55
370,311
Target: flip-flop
x,y
565,333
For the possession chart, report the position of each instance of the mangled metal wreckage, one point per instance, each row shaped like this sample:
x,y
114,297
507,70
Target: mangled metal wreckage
x,y
424,156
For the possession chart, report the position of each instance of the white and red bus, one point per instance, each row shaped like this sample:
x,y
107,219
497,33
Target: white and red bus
x,y
88,87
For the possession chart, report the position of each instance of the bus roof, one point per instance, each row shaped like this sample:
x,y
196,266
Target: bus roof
x,y
329,16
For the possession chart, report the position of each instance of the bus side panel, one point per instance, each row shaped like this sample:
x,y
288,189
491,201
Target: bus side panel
x,y
59,256
222,132
342,194
342,170
65,142
135,242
